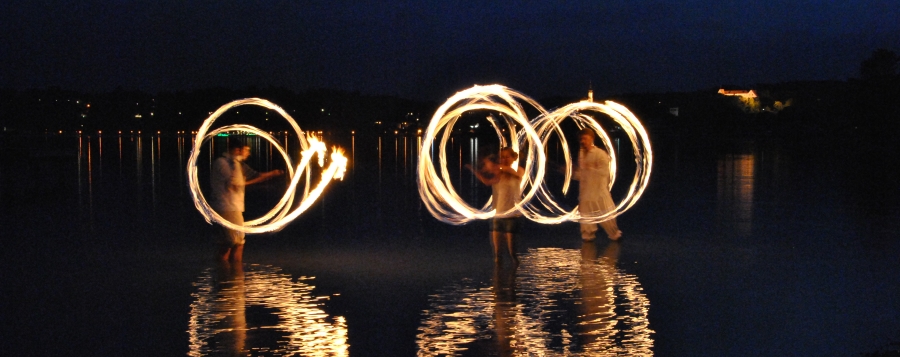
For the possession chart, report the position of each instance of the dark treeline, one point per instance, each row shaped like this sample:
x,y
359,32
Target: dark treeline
x,y
865,109
864,112
814,110
54,109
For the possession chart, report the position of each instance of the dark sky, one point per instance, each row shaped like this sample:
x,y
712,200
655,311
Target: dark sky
x,y
432,49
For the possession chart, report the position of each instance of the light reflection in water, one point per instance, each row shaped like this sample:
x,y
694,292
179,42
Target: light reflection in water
x,y
80,154
181,156
261,310
90,177
139,158
120,153
736,177
99,155
560,302
154,148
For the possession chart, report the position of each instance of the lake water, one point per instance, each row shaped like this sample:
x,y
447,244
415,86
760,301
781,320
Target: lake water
x,y
748,249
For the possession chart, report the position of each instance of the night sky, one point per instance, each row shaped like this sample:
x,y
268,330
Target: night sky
x,y
432,49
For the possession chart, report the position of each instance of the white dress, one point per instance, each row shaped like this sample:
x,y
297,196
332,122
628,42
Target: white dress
x,y
593,193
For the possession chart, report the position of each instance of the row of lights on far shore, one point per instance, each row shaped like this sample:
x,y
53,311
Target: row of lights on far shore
x,y
194,132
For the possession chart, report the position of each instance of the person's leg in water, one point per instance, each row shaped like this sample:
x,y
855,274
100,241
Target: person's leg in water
x,y
511,246
223,253
495,244
612,229
231,246
237,253
230,254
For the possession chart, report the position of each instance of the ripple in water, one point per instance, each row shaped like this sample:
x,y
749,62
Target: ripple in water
x,y
559,302
261,311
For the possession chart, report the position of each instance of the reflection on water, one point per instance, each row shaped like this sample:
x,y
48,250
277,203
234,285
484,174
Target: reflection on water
x,y
168,153
261,310
560,302
734,193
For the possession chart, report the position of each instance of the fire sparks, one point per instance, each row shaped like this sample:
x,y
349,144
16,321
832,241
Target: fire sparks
x,y
286,210
531,138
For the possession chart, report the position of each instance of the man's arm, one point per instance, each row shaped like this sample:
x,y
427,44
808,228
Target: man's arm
x,y
260,177
249,172
489,181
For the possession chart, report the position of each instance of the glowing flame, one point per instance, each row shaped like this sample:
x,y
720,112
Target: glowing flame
x,y
436,189
545,209
337,156
285,210
435,184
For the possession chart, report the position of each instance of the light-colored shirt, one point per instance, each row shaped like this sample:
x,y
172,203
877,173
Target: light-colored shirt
x,y
227,182
506,192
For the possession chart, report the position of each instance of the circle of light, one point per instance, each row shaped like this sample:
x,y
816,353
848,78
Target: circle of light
x,y
281,214
437,191
549,211
538,204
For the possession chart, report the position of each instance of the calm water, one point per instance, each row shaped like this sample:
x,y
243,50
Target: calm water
x,y
747,249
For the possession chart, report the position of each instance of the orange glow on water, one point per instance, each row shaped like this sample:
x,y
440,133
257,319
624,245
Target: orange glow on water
x,y
219,315
736,178
518,314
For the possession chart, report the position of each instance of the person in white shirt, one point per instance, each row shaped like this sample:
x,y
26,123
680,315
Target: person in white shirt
x,y
505,182
228,178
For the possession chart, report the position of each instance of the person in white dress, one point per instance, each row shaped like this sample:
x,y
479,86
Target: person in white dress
x,y
593,190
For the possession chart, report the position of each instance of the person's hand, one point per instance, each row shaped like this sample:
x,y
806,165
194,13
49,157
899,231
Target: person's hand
x,y
274,173
560,168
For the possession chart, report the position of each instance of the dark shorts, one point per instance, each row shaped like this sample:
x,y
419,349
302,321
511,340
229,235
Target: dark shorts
x,y
505,225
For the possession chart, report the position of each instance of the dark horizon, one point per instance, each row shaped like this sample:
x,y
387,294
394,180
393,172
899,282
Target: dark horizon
x,y
430,50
